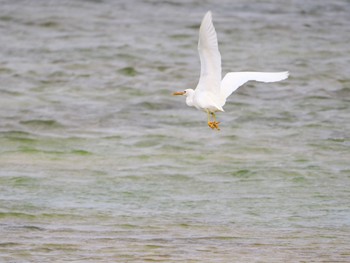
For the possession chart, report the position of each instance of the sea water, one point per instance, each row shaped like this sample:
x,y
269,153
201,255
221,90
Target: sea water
x,y
99,163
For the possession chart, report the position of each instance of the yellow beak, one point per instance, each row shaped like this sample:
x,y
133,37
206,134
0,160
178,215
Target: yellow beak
x,y
179,93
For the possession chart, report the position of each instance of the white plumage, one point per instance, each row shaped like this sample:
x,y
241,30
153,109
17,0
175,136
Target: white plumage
x,y
211,92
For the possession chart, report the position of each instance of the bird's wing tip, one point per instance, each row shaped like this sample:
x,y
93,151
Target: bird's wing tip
x,y
208,14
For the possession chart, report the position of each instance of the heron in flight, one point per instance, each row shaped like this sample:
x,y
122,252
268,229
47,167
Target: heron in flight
x,y
212,92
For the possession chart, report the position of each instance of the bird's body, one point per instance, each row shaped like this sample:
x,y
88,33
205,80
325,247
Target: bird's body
x,y
211,92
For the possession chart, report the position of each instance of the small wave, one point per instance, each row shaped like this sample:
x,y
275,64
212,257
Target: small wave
x,y
42,123
129,71
16,215
81,152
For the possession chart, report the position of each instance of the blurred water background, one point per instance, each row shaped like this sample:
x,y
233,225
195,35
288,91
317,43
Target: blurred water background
x,y
99,163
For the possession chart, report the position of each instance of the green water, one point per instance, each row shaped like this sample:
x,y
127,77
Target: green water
x,y
99,163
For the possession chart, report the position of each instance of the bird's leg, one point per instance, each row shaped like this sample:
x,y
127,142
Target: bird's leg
x,y
215,123
210,123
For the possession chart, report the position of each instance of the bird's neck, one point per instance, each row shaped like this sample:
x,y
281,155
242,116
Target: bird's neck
x,y
189,98
189,101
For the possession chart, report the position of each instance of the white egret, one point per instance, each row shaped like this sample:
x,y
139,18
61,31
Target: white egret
x,y
211,92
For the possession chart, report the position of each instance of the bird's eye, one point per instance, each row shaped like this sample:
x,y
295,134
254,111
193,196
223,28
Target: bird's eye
x,y
184,91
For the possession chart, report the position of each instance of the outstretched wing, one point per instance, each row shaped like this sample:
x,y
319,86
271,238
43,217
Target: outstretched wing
x,y
233,80
210,57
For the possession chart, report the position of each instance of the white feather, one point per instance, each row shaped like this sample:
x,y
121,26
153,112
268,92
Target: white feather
x,y
210,77
234,80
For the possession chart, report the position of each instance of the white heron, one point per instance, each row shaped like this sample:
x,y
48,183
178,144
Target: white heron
x,y
211,92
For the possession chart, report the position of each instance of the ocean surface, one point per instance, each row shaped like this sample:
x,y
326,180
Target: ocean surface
x,y
99,163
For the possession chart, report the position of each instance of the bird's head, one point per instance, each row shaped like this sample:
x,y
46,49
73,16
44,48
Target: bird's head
x,y
189,96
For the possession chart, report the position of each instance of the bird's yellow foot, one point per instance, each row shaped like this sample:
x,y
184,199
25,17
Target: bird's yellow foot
x,y
214,125
211,124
